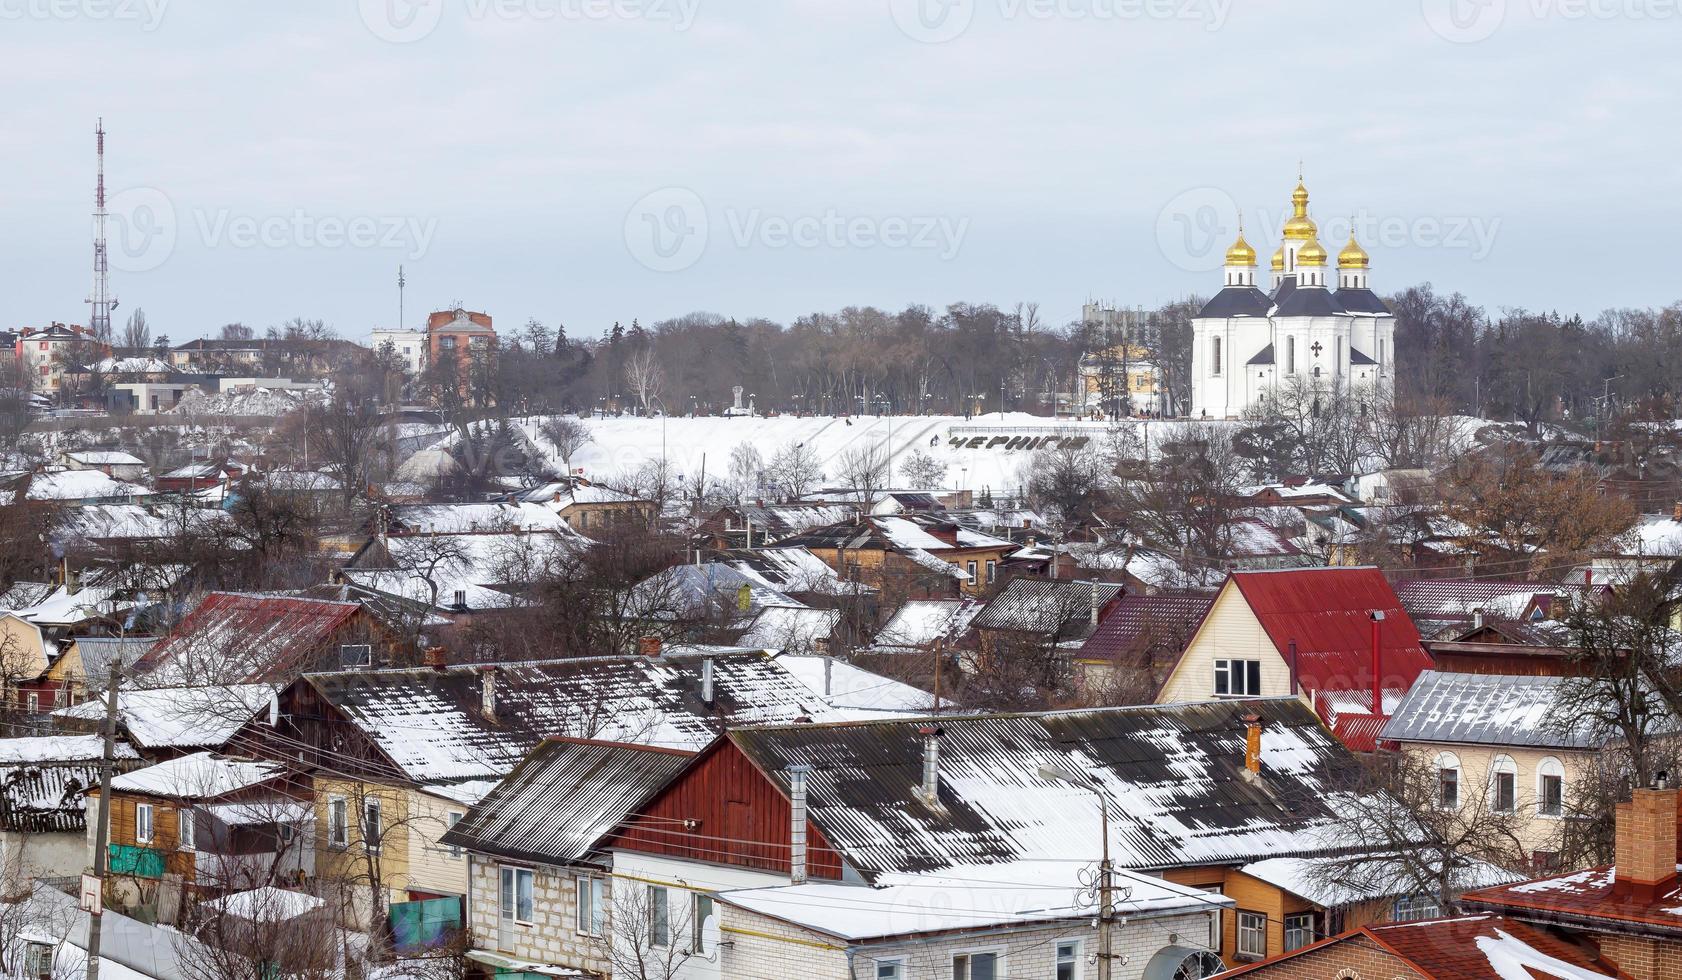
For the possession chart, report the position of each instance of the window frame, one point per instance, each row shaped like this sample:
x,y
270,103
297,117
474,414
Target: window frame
x,y
373,815
365,658
968,957
893,963
451,818
508,894
659,917
1447,762
38,960
1074,962
588,894
338,822
698,921
1550,768
1241,929
1247,671
1305,932
1415,908
186,830
149,821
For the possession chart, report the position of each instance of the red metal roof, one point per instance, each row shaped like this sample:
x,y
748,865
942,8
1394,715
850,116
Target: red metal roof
x,y
1585,896
253,637
1464,948
1325,612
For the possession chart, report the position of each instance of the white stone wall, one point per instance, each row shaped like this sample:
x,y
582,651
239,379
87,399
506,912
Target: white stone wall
x,y
767,949
553,936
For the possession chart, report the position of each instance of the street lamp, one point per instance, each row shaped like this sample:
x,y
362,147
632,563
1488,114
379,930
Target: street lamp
x,y
1106,870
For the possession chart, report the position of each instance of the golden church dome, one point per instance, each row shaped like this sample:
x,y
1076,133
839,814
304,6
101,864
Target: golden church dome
x,y
1300,227
1241,253
1353,256
1279,260
1311,254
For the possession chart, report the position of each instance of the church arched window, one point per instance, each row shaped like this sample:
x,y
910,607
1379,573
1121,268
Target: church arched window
x,y
1290,355
1215,355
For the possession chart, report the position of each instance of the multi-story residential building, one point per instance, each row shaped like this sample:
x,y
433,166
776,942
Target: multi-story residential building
x,y
458,334
410,346
45,352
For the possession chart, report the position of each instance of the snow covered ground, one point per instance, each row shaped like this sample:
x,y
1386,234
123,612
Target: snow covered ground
x,y
619,446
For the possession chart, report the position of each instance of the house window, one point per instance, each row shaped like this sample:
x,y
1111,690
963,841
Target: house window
x,y
356,655
371,825
975,966
590,906
1299,930
143,829
992,571
971,569
38,961
890,970
1550,789
1068,960
1503,785
338,824
1411,908
702,911
187,835
34,703
454,817
1237,678
515,899
659,916
1448,782
1252,934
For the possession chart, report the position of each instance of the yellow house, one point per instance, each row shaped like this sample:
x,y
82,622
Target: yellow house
x,y
1124,368
82,670
1493,745
25,653
1307,633
375,836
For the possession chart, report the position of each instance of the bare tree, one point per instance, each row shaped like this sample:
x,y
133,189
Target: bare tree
x,y
923,471
568,435
644,375
794,469
867,472
747,468
651,932
137,336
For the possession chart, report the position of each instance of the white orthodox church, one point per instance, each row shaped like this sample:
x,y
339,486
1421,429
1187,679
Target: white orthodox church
x,y
1247,342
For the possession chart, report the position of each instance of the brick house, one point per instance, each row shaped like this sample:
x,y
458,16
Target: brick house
x,y
1629,909
458,334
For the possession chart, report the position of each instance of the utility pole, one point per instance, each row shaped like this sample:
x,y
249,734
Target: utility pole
x,y
102,835
1106,896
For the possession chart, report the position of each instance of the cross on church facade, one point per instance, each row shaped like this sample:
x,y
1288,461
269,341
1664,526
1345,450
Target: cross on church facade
x,y
1316,348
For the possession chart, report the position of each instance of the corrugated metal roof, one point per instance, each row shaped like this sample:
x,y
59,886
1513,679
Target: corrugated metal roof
x,y
1325,612
1144,624
1172,776
235,638
565,796
1046,606
1488,709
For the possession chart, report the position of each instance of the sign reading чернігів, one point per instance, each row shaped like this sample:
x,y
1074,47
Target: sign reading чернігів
x,y
1011,444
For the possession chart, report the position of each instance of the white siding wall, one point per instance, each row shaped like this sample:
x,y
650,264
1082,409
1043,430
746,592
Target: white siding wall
x,y
1230,631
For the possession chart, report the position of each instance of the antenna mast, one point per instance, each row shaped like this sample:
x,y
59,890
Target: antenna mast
x,y
102,301
401,282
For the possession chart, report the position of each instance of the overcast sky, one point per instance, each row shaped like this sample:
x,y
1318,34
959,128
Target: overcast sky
x,y
584,161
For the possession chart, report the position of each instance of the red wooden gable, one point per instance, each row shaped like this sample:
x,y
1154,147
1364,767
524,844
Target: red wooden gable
x,y
722,810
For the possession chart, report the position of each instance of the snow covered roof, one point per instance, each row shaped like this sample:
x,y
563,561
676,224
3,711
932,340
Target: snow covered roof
x,y
977,897
566,493
1063,607
63,607
563,798
791,629
108,522
1656,536
790,570
466,518
1459,948
200,776
104,457
236,638
486,568
859,693
300,481
1490,709
1170,775
266,904
430,724
80,485
133,365
920,623
697,591
38,749
1325,882
179,717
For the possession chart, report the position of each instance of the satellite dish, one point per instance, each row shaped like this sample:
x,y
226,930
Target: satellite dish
x,y
710,935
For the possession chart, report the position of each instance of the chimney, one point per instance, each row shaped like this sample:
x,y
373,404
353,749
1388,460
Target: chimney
x,y
1377,616
461,598
1646,843
1292,647
435,658
649,646
797,823
931,762
1676,511
487,693
828,675
1477,619
707,681
1094,614
1252,746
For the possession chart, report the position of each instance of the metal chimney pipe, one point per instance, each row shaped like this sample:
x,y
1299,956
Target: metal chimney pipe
x,y
931,761
1094,614
797,823
707,680
1377,616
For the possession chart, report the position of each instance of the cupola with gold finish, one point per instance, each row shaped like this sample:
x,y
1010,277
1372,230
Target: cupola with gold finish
x,y
1241,261
1352,264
